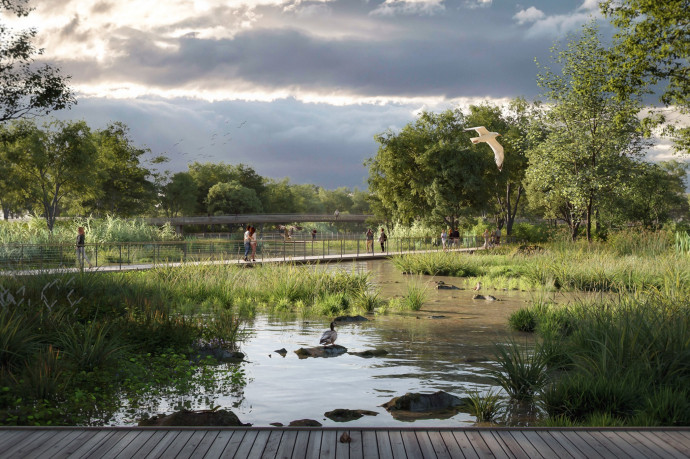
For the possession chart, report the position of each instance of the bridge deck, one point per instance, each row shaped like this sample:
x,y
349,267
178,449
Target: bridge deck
x,y
286,442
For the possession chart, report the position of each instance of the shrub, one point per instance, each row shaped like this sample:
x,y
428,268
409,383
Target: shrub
x,y
484,407
521,372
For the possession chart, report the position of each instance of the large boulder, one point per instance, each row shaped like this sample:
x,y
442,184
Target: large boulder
x,y
411,406
440,285
305,423
195,418
320,351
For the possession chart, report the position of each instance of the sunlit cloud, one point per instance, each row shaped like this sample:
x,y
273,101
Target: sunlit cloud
x,y
405,7
543,25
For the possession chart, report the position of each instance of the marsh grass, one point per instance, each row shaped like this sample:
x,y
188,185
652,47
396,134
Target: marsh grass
x,y
485,407
521,372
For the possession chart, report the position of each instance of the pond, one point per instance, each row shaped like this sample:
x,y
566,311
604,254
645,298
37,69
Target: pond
x,y
447,345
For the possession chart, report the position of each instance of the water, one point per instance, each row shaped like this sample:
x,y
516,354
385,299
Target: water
x,y
448,345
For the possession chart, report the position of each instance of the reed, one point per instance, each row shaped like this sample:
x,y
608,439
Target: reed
x,y
521,372
485,407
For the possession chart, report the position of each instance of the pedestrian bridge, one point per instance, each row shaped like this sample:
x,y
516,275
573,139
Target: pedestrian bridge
x,y
254,219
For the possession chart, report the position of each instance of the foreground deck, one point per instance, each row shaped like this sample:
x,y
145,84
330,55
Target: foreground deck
x,y
210,442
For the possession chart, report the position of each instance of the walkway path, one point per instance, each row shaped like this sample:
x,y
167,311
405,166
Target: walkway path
x,y
285,442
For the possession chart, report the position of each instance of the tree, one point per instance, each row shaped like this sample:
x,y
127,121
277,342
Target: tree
x,y
653,47
12,185
123,186
507,187
277,197
338,199
429,171
208,174
57,161
232,198
26,88
589,133
179,195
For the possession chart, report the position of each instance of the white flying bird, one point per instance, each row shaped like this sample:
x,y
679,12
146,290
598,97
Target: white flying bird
x,y
490,138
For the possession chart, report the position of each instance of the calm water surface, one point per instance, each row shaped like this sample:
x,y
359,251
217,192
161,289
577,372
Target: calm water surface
x,y
447,345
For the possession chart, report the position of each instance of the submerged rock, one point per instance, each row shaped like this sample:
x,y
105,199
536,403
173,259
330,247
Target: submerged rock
x,y
220,354
440,285
487,297
411,406
282,352
369,353
195,418
345,415
491,298
305,423
478,297
320,351
348,319
435,317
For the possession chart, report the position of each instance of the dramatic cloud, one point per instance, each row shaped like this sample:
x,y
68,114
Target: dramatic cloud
x,y
531,14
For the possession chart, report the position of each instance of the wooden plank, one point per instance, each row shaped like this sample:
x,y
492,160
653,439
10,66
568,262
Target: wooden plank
x,y
510,445
112,442
412,448
669,450
468,449
29,443
81,449
581,444
259,445
496,448
438,444
189,448
243,449
546,444
383,444
136,444
644,446
329,439
342,450
451,445
177,444
220,443
157,444
429,449
356,447
314,445
10,438
561,439
205,443
601,443
678,441
370,448
62,440
129,436
301,445
286,445
528,447
397,445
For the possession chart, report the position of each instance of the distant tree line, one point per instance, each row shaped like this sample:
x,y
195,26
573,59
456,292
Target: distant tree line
x,y
66,168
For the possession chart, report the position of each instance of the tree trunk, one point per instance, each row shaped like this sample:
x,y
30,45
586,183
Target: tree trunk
x,y
589,218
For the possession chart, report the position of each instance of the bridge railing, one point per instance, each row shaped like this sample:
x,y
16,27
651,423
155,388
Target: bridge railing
x,y
132,254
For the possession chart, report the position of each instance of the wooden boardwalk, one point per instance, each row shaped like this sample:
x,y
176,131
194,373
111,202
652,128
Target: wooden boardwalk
x,y
286,442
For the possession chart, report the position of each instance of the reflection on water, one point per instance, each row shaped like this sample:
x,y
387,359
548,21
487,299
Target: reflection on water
x,y
451,352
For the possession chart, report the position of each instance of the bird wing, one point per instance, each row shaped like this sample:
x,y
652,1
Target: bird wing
x,y
498,152
481,130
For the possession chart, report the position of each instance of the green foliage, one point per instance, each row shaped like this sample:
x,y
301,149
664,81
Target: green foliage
x,y
417,294
232,198
485,407
682,243
89,346
521,372
592,137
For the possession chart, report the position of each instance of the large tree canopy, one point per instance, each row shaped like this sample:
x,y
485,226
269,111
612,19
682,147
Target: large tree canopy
x,y
27,88
590,133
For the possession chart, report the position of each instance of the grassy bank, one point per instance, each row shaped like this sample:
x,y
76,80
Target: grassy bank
x,y
622,360
571,267
76,349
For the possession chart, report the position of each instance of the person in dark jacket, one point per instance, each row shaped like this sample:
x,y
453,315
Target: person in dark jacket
x,y
81,252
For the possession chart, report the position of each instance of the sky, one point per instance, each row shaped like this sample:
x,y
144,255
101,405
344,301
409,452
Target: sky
x,y
294,88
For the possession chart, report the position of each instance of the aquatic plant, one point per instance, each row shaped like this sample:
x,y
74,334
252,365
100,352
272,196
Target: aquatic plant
x,y
521,372
485,407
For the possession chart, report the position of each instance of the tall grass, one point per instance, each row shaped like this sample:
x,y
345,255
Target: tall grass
x,y
682,240
109,229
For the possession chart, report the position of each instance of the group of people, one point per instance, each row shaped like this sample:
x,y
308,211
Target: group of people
x,y
370,240
250,243
449,238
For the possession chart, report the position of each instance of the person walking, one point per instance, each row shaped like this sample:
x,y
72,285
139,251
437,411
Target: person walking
x,y
253,242
444,240
382,240
487,237
81,250
370,240
247,242
497,236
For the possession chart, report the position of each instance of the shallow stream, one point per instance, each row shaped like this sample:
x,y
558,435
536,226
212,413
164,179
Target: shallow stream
x,y
448,345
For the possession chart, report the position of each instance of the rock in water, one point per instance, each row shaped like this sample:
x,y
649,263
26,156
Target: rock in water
x,y
490,298
345,415
412,406
305,423
282,352
321,351
478,297
195,418
370,353
347,319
